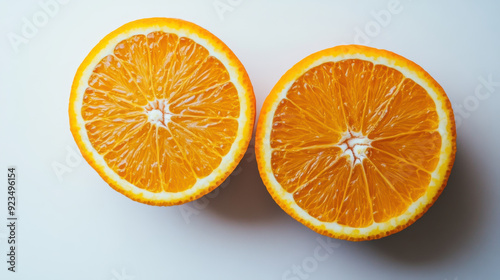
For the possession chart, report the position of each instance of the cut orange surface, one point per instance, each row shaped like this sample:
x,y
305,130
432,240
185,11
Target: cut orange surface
x,y
162,110
355,142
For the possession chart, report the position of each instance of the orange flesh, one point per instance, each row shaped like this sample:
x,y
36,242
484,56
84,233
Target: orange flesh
x,y
355,96
175,76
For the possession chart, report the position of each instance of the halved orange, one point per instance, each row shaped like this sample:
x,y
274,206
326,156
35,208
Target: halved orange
x,y
355,142
162,110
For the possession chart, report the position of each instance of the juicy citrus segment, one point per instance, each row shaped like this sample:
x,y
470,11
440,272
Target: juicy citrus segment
x,y
212,102
110,77
308,92
163,110
187,58
291,129
209,74
106,133
408,180
176,172
206,141
356,210
214,135
122,159
133,56
355,142
384,84
297,168
353,78
418,148
410,109
325,205
162,47
101,105
386,200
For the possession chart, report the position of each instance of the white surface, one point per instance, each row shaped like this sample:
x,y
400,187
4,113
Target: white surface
x,y
79,228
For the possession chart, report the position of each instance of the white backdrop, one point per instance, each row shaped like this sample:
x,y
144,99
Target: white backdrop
x,y
71,225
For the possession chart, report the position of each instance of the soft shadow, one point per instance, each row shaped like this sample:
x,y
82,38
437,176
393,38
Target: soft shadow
x,y
449,224
243,197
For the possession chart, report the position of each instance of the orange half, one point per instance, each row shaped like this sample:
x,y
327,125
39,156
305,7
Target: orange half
x,y
162,110
355,142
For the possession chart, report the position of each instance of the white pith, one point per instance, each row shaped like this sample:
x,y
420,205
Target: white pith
x,y
158,113
354,145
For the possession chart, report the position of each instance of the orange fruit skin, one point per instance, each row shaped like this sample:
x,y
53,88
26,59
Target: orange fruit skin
x,y
295,71
178,24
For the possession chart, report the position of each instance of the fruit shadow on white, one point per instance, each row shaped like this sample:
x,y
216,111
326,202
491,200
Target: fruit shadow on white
x,y
449,227
242,198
